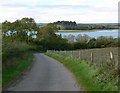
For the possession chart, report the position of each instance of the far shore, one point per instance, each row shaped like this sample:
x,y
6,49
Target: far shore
x,y
84,30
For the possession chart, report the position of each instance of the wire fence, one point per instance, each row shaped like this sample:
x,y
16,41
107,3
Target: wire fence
x,y
99,57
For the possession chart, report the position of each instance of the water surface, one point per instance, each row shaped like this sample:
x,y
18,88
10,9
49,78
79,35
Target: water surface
x,y
95,34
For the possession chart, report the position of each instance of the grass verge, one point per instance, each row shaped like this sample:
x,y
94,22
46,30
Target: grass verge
x,y
86,75
11,72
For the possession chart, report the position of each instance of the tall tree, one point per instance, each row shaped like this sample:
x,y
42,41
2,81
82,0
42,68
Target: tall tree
x,y
20,29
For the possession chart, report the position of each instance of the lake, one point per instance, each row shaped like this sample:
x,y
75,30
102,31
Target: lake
x,y
92,33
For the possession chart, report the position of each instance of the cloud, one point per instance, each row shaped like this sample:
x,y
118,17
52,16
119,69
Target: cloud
x,y
87,11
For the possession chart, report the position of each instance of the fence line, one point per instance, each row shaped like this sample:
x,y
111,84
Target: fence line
x,y
93,56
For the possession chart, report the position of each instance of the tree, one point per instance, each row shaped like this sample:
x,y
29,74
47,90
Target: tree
x,y
19,29
80,45
82,38
47,31
26,25
101,42
70,38
6,26
91,43
49,40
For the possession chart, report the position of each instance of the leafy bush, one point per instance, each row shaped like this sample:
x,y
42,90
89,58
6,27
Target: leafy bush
x,y
11,49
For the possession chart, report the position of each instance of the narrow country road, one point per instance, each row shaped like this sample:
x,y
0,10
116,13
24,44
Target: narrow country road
x,y
45,74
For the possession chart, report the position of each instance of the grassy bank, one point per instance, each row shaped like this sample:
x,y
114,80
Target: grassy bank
x,y
10,50
16,57
87,76
11,72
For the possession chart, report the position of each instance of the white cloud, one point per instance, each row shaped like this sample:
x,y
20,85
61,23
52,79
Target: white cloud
x,y
87,11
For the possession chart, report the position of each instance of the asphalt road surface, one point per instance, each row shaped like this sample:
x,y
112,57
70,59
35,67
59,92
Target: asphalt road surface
x,y
45,74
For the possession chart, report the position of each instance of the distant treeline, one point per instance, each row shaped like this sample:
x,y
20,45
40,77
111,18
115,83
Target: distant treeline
x,y
69,25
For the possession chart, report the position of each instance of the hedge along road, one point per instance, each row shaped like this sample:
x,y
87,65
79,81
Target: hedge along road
x,y
45,74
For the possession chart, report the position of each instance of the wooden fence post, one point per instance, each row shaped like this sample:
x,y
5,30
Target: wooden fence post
x,y
112,59
91,57
111,55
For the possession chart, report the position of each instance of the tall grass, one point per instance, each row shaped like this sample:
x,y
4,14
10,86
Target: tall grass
x,y
12,49
14,70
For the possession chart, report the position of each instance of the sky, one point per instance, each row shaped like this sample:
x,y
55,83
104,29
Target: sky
x,y
45,11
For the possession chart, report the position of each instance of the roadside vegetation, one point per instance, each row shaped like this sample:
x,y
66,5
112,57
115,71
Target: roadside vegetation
x,y
89,76
16,49
16,68
16,57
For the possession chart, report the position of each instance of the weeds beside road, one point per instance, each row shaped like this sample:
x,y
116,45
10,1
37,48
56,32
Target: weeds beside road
x,y
15,70
16,57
